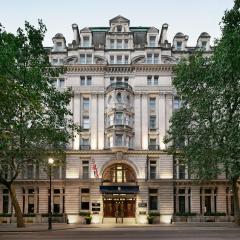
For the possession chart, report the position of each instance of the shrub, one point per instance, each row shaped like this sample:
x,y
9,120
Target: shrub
x,y
153,214
5,214
185,214
85,214
215,214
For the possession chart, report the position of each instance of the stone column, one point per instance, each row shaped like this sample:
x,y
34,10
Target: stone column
x,y
100,121
145,117
137,122
162,120
94,121
76,118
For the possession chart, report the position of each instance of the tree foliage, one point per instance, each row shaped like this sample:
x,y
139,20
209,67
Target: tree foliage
x,y
34,122
206,129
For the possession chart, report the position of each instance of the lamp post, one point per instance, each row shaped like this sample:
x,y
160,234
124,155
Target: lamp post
x,y
50,163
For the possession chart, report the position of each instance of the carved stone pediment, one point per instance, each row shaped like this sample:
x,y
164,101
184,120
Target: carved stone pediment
x,y
168,59
71,60
138,59
100,59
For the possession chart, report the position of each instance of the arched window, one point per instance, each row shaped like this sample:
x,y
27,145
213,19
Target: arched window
x,y
119,28
119,173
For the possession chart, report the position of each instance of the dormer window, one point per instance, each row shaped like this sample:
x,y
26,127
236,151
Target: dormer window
x,y
152,41
119,28
59,44
204,45
179,45
86,41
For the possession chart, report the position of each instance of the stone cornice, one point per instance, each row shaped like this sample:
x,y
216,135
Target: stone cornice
x,y
106,151
120,68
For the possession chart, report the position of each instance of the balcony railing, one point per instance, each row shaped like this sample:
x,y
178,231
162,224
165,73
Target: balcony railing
x,y
119,85
84,147
119,122
153,147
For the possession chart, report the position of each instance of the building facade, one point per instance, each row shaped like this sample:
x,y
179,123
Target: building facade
x,y
118,168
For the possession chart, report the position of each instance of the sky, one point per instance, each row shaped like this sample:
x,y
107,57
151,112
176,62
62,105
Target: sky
x,y
188,16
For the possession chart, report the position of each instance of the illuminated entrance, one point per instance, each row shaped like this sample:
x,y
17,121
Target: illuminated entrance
x,y
119,189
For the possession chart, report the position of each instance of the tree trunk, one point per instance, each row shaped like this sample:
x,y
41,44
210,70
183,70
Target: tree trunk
x,y
18,212
236,201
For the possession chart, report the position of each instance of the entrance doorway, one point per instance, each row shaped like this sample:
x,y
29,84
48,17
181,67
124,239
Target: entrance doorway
x,y
119,207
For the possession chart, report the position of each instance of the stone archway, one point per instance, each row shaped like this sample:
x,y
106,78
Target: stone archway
x,y
119,173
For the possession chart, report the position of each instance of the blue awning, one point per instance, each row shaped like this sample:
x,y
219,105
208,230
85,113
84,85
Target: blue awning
x,y
119,189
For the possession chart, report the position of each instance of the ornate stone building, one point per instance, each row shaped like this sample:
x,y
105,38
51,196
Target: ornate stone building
x,y
118,167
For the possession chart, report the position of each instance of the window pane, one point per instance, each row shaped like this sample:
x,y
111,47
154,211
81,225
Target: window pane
x,y
181,203
89,58
82,58
112,43
61,83
5,203
89,80
153,203
86,122
119,43
85,103
152,102
85,172
82,80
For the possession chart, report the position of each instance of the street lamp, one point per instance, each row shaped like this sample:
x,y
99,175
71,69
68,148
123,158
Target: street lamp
x,y
50,163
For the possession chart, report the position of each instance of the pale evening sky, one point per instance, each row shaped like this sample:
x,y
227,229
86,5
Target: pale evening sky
x,y
188,16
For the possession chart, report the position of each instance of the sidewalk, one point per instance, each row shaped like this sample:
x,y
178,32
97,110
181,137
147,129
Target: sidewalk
x,y
64,226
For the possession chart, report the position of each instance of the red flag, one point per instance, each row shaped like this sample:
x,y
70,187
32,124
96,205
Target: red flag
x,y
94,168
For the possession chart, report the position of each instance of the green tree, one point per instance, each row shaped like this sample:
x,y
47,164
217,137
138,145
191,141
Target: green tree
x,y
34,122
206,129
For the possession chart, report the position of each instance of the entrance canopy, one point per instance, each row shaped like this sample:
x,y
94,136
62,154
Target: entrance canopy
x,y
119,189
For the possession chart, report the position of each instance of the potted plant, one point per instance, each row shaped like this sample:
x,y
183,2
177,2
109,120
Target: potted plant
x,y
150,219
88,219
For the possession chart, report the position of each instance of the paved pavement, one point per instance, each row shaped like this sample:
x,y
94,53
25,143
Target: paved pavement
x,y
201,231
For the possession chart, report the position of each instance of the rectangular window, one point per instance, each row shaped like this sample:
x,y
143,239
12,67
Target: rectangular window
x,y
111,59
82,59
30,171
153,168
153,199
149,58
119,59
181,203
55,61
86,123
89,80
82,79
85,169
89,59
59,44
119,43
125,43
155,80
126,59
156,58
85,199
30,204
152,122
181,171
86,103
179,45
112,43
61,82
56,204
152,103
152,41
204,45
119,118
86,41
126,79
149,80
119,139
5,202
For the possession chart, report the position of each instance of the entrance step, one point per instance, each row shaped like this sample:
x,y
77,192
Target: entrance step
x,y
119,221
129,221
109,220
